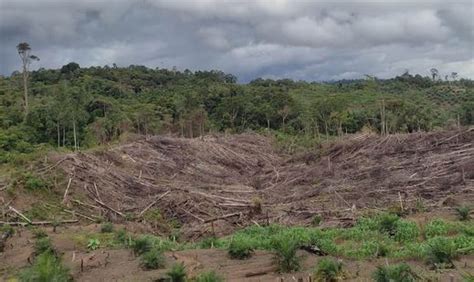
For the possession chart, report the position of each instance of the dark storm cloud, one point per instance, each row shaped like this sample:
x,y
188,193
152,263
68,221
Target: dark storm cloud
x,y
271,38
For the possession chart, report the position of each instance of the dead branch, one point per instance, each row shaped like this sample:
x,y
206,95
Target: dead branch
x,y
223,217
109,208
16,223
67,190
20,214
153,203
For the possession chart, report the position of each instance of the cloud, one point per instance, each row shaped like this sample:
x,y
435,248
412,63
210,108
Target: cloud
x,y
308,40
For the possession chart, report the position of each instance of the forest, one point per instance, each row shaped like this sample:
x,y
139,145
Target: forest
x,y
76,107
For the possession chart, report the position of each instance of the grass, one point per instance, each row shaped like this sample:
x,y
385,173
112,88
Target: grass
x,y
93,244
394,273
328,270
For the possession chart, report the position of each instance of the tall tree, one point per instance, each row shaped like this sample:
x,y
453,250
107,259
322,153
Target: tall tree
x,y
434,73
24,50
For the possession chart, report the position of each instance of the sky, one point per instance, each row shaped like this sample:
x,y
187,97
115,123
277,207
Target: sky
x,y
297,39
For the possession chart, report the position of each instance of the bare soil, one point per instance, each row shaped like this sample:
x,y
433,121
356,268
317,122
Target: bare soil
x,y
121,265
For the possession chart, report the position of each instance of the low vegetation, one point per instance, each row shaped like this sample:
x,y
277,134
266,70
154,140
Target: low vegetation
x,y
177,273
208,276
286,256
46,267
394,273
152,259
239,249
328,270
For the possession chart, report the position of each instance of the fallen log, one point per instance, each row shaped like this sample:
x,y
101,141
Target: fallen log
x,y
109,208
153,203
223,217
19,213
16,223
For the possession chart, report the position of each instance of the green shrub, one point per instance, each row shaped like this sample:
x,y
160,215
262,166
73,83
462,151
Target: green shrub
x,y
437,227
406,231
286,248
463,212
152,259
107,227
239,249
47,267
33,182
394,273
39,233
440,252
388,223
209,276
122,237
43,245
316,220
328,270
142,245
177,273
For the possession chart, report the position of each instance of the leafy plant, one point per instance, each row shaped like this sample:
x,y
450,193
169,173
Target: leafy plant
x,y
107,227
39,233
46,267
285,248
123,238
142,245
152,259
328,270
463,212
239,249
440,252
93,244
394,273
177,273
209,276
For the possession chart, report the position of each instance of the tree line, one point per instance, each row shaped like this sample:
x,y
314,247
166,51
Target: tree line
x,y
78,107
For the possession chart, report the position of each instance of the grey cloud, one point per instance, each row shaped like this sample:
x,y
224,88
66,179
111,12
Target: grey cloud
x,y
279,38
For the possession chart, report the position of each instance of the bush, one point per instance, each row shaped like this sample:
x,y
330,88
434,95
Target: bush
x,y
39,233
328,270
33,182
107,227
208,243
394,273
388,223
142,245
435,228
177,273
122,237
406,231
463,212
209,276
43,245
316,220
440,252
152,259
239,249
47,267
286,257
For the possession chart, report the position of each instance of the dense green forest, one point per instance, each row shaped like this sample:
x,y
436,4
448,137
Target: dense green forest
x,y
76,107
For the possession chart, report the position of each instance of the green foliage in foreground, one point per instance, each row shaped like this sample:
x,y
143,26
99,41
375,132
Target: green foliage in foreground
x,y
239,249
394,273
152,259
286,257
367,239
328,270
177,273
209,276
46,268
